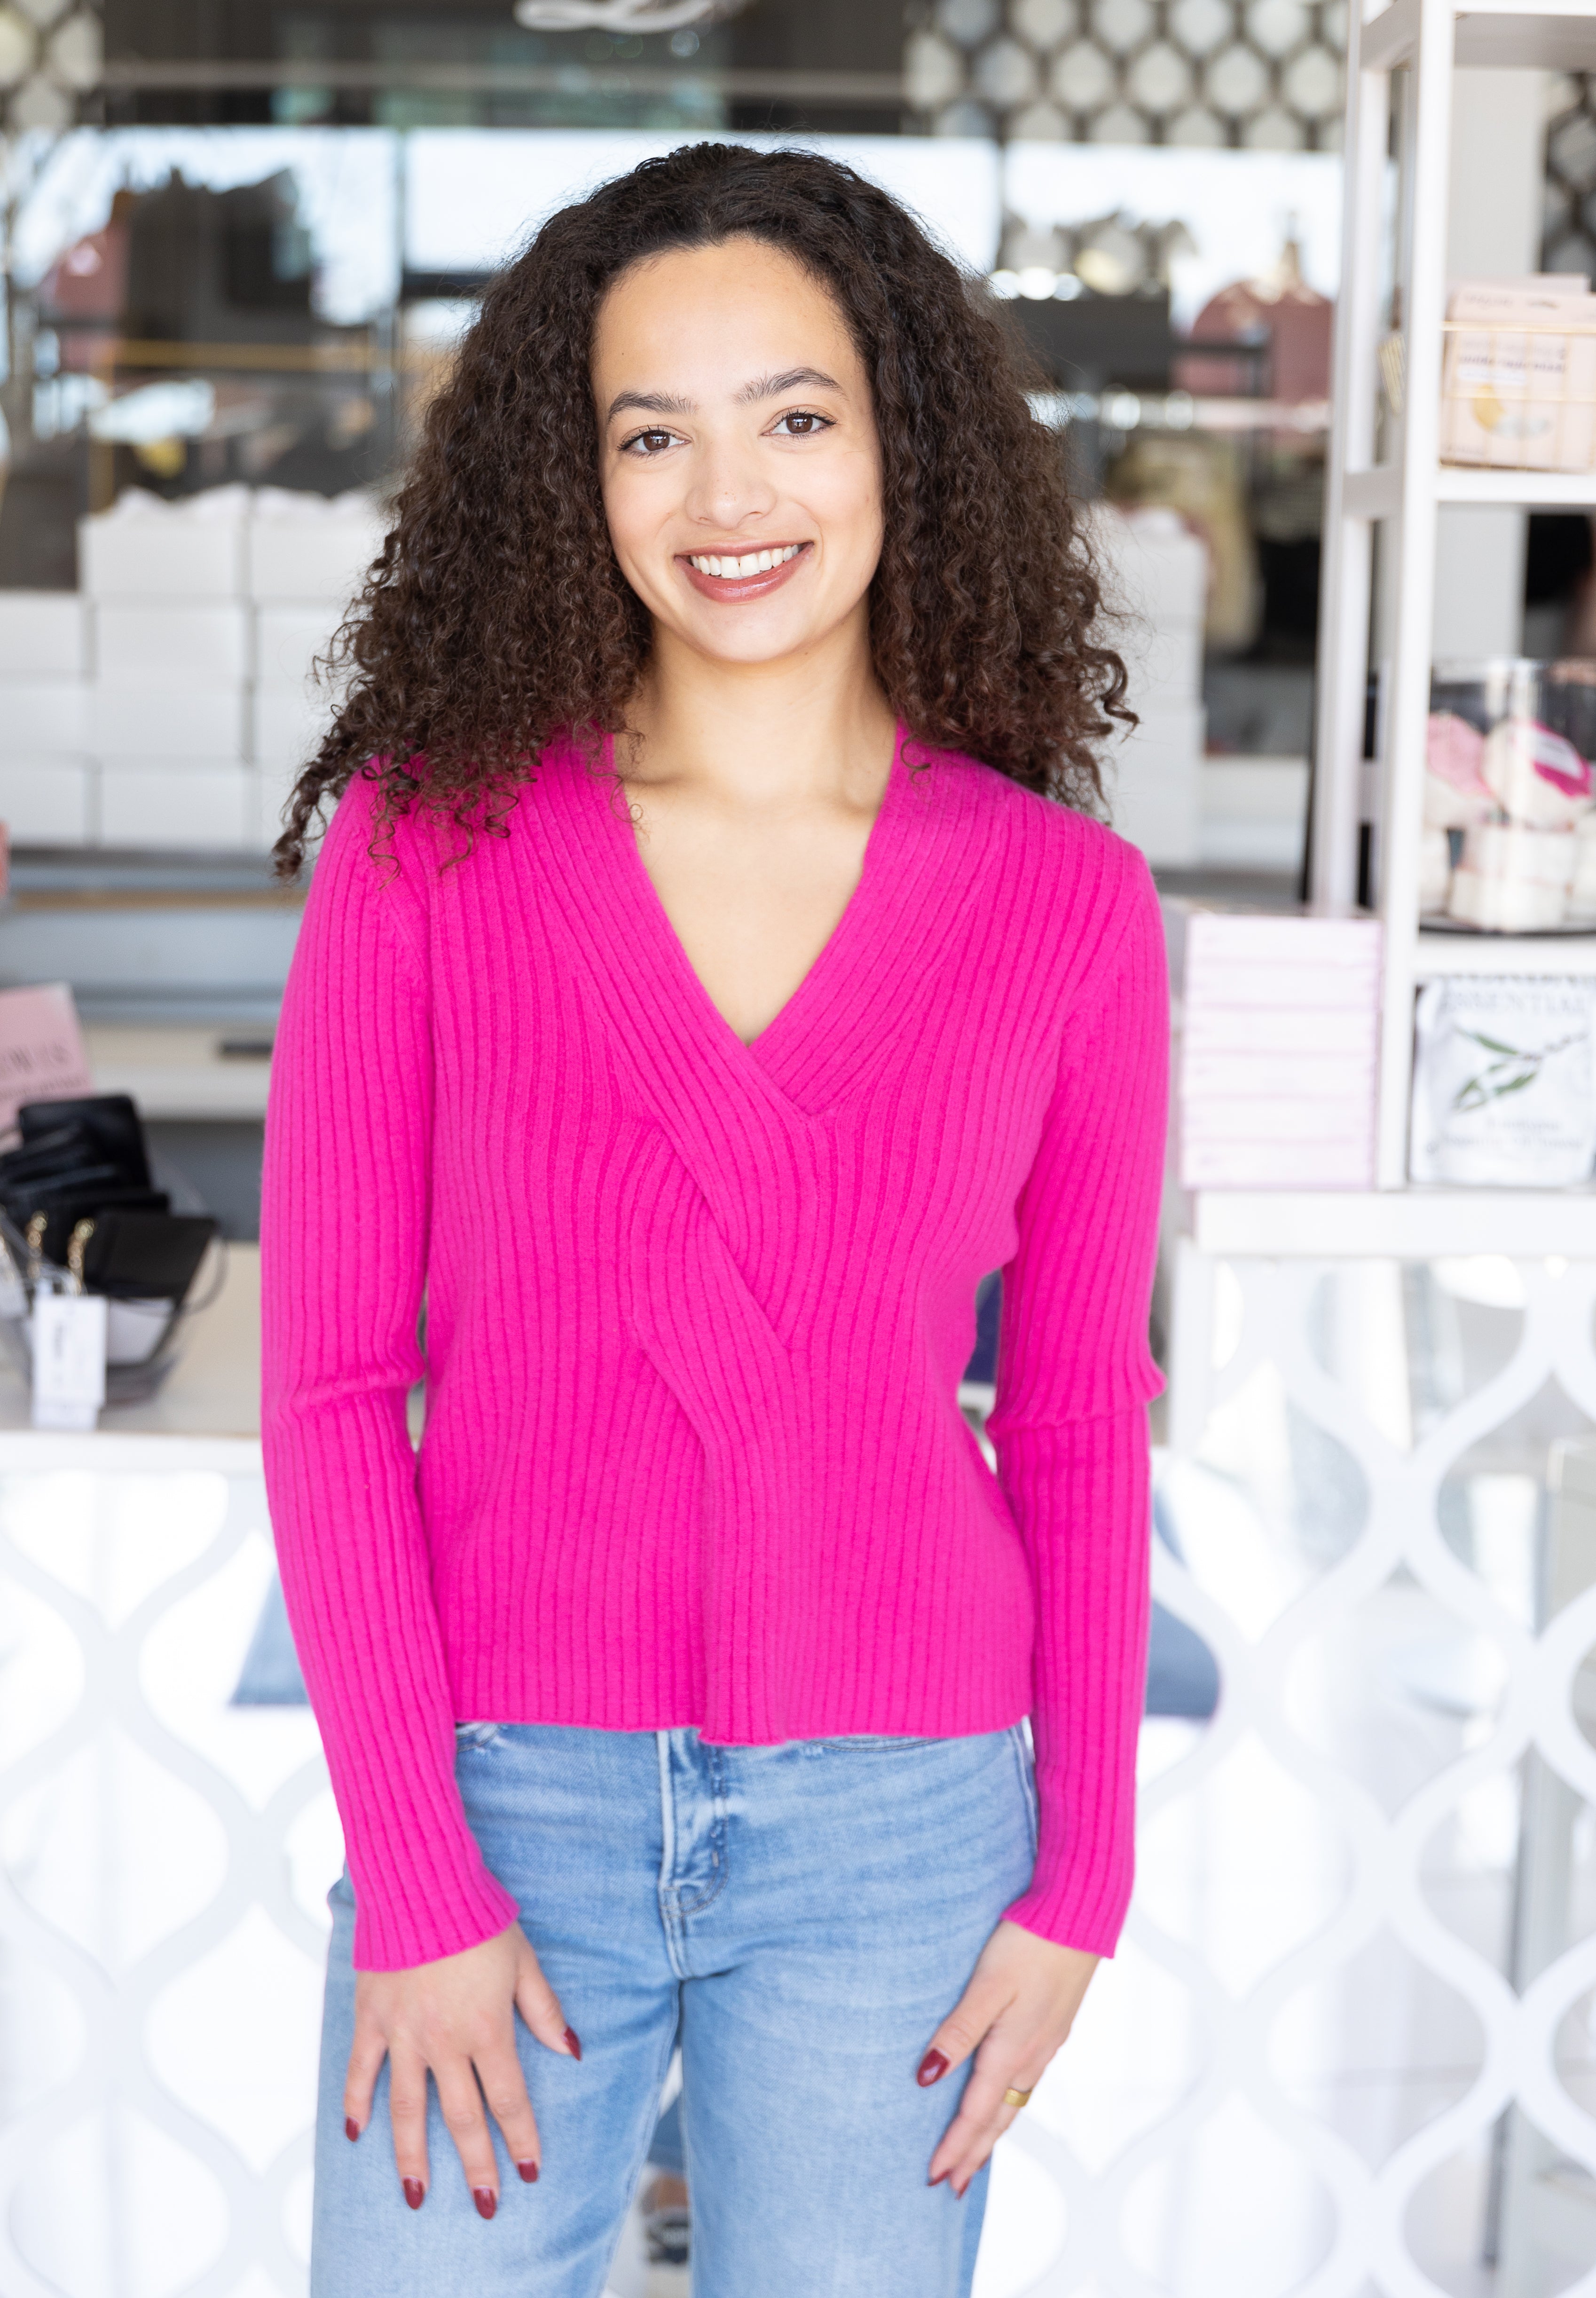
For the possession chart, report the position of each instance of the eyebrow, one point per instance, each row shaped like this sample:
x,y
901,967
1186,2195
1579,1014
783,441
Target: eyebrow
x,y
769,387
763,386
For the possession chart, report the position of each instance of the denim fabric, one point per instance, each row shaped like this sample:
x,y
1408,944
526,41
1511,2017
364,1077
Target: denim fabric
x,y
667,2149
799,1919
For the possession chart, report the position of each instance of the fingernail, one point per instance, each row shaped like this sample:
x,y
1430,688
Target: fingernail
x,y
572,2044
486,2201
931,2068
529,2173
416,2193
351,2128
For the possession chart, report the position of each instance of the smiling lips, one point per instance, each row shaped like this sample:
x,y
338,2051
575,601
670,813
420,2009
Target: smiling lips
x,y
717,575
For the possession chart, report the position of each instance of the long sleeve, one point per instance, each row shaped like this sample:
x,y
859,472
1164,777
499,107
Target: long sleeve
x,y
344,1220
1074,1377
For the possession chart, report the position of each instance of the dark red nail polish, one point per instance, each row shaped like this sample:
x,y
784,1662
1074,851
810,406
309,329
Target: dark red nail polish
x,y
486,2201
572,2044
351,2128
529,2173
931,2068
416,2193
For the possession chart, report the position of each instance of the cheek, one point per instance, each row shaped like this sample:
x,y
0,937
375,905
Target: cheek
x,y
620,509
853,506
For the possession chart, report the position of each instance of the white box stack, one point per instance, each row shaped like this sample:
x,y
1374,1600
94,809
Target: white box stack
x,y
1156,576
168,704
168,667
1279,1032
290,708
45,779
308,558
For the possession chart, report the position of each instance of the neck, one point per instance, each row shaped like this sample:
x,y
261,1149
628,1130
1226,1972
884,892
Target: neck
x,y
754,734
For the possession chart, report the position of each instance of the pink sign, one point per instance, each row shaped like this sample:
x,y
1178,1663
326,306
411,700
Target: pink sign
x,y
41,1054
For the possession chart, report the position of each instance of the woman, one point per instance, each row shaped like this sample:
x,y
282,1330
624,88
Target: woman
x,y
702,987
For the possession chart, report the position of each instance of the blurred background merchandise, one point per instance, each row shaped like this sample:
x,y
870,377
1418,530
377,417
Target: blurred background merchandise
x,y
240,241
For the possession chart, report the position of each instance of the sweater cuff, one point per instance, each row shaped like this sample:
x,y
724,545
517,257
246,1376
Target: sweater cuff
x,y
1057,1917
1081,1890
395,1931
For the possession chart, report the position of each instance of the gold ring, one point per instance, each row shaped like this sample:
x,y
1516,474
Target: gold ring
x,y
1015,2098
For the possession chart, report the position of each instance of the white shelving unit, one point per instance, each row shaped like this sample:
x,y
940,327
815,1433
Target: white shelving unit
x,y
1419,40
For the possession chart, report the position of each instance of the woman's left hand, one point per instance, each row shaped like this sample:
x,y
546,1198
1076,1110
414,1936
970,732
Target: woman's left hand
x,y
1017,2009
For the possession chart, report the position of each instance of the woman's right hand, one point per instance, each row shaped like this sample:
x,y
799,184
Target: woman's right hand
x,y
455,2017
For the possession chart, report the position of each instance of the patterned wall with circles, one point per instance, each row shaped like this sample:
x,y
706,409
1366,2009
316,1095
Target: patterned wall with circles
x,y
1570,225
50,57
1265,74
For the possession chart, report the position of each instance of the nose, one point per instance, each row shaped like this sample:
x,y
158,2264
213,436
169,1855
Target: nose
x,y
728,485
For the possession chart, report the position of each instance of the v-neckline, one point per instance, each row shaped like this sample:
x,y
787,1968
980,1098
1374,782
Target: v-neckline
x,y
916,879
824,961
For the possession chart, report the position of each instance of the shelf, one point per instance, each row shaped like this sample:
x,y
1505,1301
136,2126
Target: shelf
x,y
1573,489
1542,37
1550,35
1450,957
1376,493
1393,1224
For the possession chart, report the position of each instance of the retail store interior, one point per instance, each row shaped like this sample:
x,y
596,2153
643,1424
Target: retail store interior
x,y
1349,2045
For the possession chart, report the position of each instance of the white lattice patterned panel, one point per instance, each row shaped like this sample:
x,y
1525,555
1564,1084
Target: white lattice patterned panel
x,y
1288,2080
163,1860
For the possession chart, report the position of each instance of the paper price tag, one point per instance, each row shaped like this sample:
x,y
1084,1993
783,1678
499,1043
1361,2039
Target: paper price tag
x,y
69,1359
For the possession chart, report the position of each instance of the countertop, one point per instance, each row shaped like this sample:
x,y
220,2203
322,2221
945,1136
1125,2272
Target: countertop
x,y
212,1391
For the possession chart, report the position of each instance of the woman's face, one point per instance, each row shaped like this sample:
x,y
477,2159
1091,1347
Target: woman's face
x,y
742,474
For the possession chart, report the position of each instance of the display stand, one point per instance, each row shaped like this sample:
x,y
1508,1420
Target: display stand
x,y
1384,471
1275,1255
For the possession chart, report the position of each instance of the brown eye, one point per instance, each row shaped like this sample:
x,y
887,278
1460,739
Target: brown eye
x,y
802,423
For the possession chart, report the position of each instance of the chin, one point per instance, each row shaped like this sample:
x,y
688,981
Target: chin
x,y
746,648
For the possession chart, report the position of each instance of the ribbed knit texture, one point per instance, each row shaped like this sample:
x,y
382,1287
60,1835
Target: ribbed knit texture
x,y
697,1314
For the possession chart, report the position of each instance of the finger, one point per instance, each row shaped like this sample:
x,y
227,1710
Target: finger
x,y
503,2087
965,2028
408,2113
367,2054
984,2114
539,2007
461,2102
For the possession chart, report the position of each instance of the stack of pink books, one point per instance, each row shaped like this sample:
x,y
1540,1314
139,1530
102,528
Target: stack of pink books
x,y
1279,1046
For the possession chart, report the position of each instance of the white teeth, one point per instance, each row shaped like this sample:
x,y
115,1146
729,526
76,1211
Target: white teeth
x,y
753,562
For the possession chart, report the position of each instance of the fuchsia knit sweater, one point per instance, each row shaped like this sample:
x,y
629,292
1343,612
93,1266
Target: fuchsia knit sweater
x,y
696,1313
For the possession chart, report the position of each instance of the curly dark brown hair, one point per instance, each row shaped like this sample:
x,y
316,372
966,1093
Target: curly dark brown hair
x,y
496,616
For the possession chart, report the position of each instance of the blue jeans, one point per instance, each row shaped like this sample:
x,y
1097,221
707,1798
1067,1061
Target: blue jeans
x,y
799,1919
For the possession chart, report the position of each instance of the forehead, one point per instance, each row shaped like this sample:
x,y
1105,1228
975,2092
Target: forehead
x,y
742,303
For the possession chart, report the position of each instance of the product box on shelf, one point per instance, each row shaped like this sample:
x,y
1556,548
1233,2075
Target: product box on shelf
x,y
1155,579
47,801
1504,1082
43,717
176,639
1509,844
144,548
1154,775
42,635
286,727
207,805
152,719
1279,1036
306,547
290,635
1518,375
